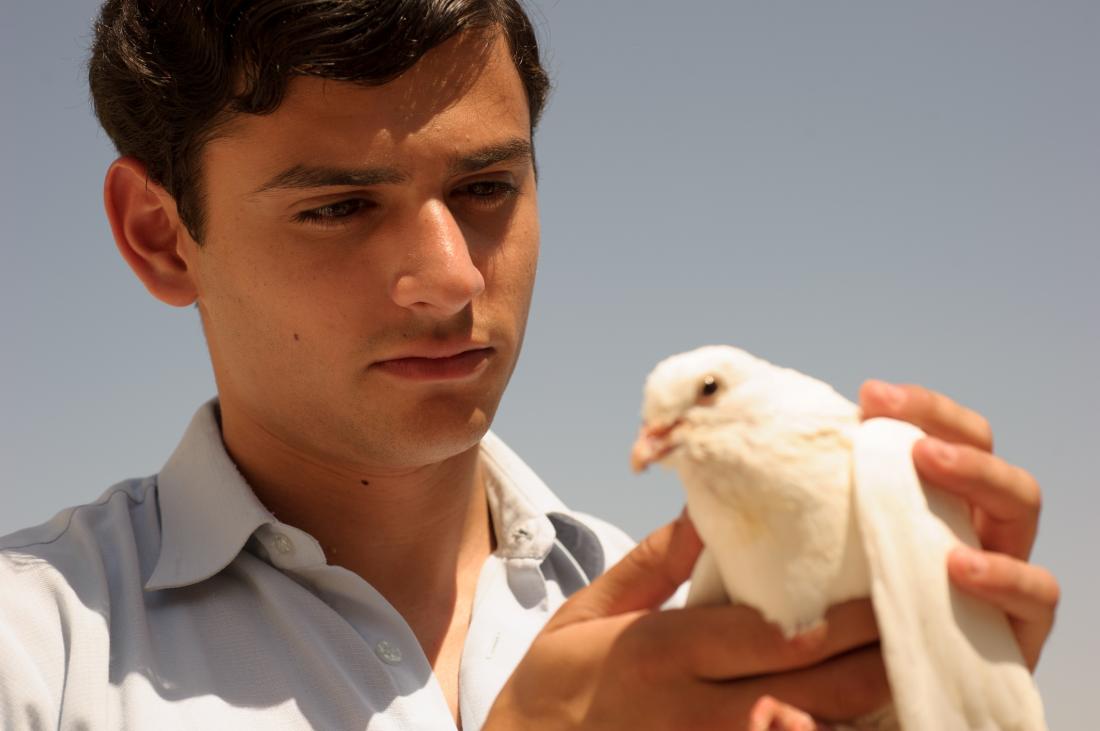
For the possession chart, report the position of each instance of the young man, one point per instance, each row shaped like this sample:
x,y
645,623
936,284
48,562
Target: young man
x,y
346,189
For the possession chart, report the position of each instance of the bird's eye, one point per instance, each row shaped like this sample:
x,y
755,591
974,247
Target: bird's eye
x,y
709,388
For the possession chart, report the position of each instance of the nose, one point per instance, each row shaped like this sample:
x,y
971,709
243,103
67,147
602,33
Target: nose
x,y
439,276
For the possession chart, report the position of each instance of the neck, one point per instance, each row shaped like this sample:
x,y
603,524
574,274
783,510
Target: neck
x,y
419,536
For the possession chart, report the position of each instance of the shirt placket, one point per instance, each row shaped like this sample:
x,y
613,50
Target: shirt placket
x,y
418,700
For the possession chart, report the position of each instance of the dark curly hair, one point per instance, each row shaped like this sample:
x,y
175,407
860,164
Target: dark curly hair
x,y
166,74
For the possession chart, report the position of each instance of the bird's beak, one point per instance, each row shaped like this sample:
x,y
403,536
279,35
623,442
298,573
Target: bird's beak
x,y
652,444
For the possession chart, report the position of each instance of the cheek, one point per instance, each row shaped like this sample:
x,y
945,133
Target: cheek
x,y
261,309
510,278
530,268
517,258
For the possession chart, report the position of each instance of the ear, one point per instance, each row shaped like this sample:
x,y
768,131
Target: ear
x,y
148,232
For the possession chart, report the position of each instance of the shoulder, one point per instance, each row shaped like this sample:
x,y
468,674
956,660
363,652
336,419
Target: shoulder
x,y
81,555
59,579
59,576
77,536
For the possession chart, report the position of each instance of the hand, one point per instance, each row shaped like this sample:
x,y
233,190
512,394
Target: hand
x,y
1004,506
608,659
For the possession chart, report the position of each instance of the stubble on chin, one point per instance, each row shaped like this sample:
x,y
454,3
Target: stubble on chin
x,y
407,438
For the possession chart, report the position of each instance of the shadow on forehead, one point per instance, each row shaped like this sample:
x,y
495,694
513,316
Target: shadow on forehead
x,y
446,73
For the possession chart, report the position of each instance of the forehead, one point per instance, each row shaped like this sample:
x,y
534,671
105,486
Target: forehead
x,y
463,93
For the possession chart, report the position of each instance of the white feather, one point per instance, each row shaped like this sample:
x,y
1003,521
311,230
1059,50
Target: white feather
x,y
952,660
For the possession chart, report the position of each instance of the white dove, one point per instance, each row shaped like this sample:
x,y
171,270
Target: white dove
x,y
800,507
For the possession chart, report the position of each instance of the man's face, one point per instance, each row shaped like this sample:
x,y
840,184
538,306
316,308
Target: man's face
x,y
356,232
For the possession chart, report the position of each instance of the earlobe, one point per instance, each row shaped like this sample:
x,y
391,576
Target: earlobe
x,y
147,231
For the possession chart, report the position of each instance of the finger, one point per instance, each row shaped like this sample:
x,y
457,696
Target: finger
x,y
934,413
642,579
843,688
1027,594
1008,495
772,714
755,646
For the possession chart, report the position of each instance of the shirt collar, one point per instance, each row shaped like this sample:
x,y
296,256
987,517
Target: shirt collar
x,y
208,511
519,502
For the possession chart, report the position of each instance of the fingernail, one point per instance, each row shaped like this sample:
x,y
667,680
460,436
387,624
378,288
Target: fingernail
x,y
943,452
890,394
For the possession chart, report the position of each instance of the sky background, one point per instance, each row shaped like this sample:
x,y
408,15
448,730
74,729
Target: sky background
x,y
907,191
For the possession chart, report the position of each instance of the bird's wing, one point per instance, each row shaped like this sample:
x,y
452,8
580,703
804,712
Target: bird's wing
x,y
952,660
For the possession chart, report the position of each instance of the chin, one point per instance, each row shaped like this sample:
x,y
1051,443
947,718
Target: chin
x,y
453,433
437,431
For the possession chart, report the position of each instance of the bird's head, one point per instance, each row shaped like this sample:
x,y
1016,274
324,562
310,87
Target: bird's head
x,y
688,391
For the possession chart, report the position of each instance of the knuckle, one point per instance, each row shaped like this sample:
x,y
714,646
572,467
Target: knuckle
x,y
1047,588
1055,591
976,428
983,432
644,554
1030,492
868,396
1002,573
1033,584
648,557
939,406
1017,579
919,400
645,560
1008,480
939,409
994,471
976,465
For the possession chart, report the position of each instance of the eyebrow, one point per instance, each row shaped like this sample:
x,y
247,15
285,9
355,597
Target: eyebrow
x,y
515,150
321,176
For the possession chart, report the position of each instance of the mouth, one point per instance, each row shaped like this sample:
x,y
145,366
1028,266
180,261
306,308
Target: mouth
x,y
653,444
456,366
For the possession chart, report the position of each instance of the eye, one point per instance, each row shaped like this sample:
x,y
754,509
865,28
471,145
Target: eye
x,y
332,214
487,193
707,389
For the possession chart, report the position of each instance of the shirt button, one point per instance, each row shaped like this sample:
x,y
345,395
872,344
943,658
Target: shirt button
x,y
388,652
282,543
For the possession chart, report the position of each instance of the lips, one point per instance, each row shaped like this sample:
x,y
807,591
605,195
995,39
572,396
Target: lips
x,y
462,364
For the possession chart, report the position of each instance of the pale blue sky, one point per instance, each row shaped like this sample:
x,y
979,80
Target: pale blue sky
x,y
903,191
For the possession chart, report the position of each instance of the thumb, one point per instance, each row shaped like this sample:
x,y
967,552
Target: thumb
x,y
643,579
